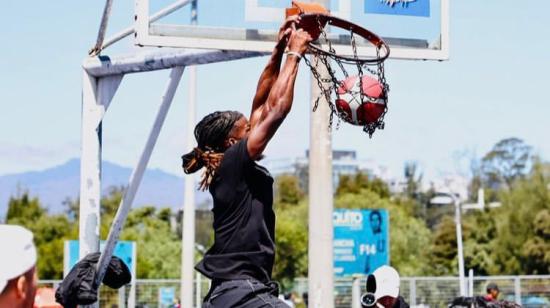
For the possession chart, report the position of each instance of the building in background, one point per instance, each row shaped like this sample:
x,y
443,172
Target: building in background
x,y
343,163
452,183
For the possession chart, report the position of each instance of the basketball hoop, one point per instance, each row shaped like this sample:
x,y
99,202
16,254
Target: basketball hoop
x,y
366,66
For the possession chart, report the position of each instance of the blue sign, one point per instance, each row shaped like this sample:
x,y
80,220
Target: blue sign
x,y
123,250
167,297
398,7
361,241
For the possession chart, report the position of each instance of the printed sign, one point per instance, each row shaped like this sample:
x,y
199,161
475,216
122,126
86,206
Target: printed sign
x,y
419,8
361,241
167,297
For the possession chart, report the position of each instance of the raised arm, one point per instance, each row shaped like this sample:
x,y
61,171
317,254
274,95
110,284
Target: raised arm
x,y
271,71
279,101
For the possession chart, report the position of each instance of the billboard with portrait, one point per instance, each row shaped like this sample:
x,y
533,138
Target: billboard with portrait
x,y
361,241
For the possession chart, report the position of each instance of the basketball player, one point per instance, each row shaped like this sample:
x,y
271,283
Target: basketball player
x,y
241,259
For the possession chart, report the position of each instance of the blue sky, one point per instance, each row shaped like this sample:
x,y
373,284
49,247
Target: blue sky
x,y
493,87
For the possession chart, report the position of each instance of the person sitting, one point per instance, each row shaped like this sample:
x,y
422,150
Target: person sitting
x,y
492,292
386,289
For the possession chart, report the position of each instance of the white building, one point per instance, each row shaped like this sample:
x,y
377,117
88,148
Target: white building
x,y
343,163
452,183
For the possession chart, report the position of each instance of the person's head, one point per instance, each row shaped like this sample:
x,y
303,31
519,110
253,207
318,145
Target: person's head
x,y
220,130
375,219
492,290
387,286
18,277
215,133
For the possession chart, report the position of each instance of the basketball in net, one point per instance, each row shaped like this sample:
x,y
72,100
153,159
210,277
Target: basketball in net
x,y
357,108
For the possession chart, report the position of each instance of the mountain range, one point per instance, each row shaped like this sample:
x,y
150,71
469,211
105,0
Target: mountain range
x,y
54,185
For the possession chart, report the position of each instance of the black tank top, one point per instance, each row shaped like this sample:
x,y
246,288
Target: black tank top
x,y
244,221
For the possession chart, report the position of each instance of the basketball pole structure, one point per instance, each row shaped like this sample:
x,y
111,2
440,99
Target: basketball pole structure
x,y
320,264
188,215
188,218
101,79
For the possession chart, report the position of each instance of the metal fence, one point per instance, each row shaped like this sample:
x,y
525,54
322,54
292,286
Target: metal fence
x,y
530,291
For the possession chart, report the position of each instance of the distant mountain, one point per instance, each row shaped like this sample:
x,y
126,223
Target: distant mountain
x,y
52,186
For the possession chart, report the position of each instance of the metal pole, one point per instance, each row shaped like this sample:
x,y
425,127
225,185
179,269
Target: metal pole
x,y
137,175
471,282
102,27
320,269
188,219
517,290
122,297
133,283
412,288
90,168
153,60
97,94
356,292
198,290
458,222
124,33
188,223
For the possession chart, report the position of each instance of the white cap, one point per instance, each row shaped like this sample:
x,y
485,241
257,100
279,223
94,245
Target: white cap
x,y
18,253
387,282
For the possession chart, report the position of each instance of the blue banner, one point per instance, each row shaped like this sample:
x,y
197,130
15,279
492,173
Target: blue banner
x,y
419,8
167,297
361,241
123,250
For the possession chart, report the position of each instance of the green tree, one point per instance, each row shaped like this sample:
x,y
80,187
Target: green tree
x,y
288,190
50,232
435,213
413,197
536,251
291,238
291,231
355,183
23,209
413,179
519,226
509,160
479,234
158,248
443,255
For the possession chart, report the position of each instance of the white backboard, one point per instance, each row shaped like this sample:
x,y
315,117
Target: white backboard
x,y
414,29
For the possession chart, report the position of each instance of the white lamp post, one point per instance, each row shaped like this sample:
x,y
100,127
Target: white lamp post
x,y
449,198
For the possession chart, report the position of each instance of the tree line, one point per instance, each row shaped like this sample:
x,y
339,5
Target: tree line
x,y
511,239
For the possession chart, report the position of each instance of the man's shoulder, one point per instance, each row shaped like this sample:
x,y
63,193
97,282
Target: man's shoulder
x,y
234,163
237,149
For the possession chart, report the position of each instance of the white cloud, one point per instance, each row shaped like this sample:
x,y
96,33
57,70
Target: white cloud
x,y
15,158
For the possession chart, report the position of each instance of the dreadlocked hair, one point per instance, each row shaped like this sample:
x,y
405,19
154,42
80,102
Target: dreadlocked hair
x,y
210,134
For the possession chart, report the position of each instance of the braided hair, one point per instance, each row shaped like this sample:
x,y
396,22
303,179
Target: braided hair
x,y
210,133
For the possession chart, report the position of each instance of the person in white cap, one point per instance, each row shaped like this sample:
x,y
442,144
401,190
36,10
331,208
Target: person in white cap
x,y
18,277
387,288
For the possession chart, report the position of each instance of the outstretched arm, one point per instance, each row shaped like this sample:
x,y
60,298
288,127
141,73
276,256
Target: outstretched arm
x,y
271,71
279,101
